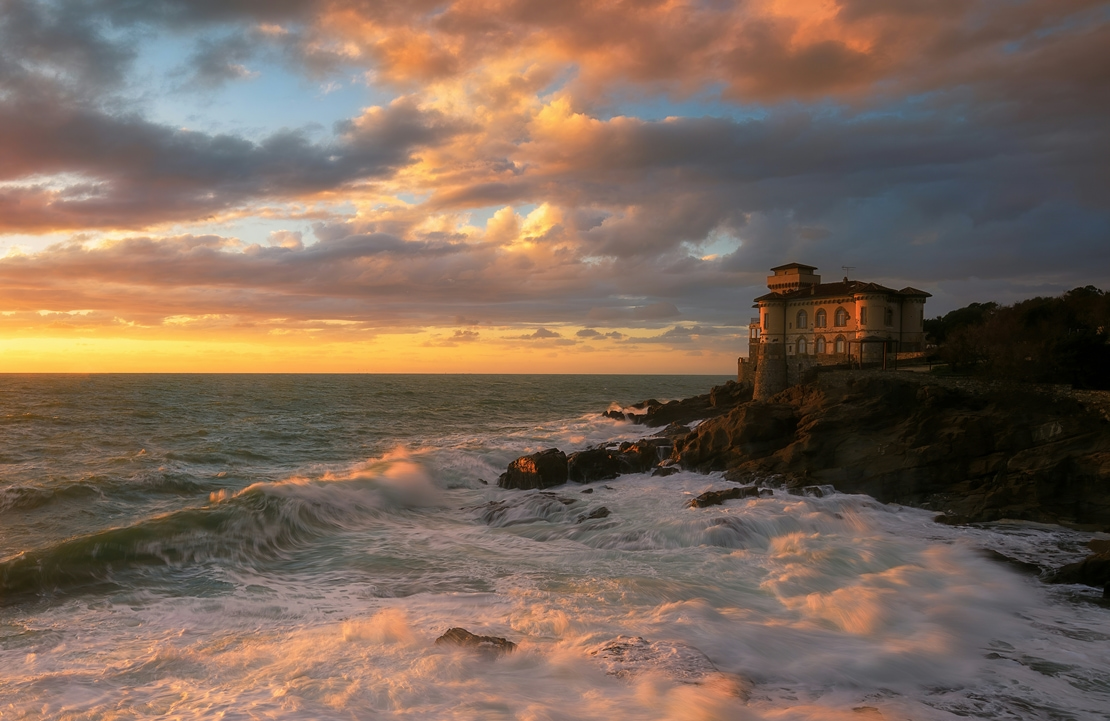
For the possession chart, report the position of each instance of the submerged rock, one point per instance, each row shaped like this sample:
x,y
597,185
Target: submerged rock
x,y
492,646
601,512
539,470
716,498
629,656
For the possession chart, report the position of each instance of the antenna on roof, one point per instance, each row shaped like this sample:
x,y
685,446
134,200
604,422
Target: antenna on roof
x,y
847,269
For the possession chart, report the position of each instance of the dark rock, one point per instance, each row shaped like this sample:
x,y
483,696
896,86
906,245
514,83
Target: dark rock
x,y
978,451
539,470
664,471
674,431
716,498
627,657
594,464
601,512
766,493
951,519
1099,545
1016,563
643,455
753,430
587,490
492,646
615,415
483,482
1093,570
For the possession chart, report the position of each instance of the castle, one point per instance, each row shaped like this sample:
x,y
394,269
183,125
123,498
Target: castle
x,y
804,323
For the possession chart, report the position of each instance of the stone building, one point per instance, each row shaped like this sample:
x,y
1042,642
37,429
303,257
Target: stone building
x,y
804,323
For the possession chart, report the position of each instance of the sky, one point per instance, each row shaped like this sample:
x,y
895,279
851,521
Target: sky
x,y
526,185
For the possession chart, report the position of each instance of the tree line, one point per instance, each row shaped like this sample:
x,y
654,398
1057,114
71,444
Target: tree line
x,y
1065,339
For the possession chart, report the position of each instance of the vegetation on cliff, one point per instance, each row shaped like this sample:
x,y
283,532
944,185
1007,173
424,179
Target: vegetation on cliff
x,y
1065,339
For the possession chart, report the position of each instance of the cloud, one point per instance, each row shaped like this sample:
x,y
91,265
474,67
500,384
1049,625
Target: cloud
x,y
64,166
547,166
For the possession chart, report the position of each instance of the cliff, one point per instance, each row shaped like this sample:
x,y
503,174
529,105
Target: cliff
x,y
975,451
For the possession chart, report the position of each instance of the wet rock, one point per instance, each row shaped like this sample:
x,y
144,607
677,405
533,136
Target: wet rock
x,y
627,657
601,512
664,471
491,646
615,415
587,490
1094,570
811,491
716,498
643,455
952,519
674,431
594,464
980,452
539,470
719,400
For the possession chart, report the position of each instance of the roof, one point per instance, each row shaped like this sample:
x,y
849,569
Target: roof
x,y
844,287
795,265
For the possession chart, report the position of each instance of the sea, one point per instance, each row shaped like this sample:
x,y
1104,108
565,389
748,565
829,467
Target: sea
x,y
291,547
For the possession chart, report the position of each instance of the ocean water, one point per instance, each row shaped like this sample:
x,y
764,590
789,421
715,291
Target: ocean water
x,y
289,547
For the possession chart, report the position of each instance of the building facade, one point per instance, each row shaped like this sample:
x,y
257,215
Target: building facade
x,y
804,323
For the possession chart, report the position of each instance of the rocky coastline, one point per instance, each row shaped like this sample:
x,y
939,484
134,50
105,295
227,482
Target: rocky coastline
x,y
975,452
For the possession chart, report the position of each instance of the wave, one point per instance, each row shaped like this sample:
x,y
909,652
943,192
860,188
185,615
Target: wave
x,y
260,523
30,497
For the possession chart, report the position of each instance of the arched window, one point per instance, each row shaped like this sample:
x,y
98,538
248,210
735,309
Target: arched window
x,y
802,347
820,345
840,345
841,318
803,319
889,316
820,320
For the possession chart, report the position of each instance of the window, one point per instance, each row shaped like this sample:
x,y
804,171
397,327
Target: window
x,y
802,346
863,315
820,345
803,319
820,320
839,345
841,318
890,316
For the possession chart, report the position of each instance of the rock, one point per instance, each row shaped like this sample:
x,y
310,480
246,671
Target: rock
x,y
1099,545
615,415
491,646
601,512
1094,570
587,490
627,657
716,498
594,464
664,471
538,470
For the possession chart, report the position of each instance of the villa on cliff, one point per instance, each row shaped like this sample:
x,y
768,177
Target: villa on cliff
x,y
804,323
